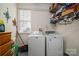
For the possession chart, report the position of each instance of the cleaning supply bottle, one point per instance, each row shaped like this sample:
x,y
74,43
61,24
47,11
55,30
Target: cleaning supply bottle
x,y
2,26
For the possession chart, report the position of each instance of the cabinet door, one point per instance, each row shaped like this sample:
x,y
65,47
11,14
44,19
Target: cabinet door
x,y
4,38
36,46
4,48
54,46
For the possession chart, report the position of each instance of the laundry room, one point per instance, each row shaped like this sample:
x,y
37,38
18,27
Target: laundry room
x,y
39,29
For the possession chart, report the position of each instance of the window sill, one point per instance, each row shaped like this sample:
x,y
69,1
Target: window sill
x,y
25,33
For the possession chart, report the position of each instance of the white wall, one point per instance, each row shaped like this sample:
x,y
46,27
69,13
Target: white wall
x,y
12,11
70,33
40,19
39,16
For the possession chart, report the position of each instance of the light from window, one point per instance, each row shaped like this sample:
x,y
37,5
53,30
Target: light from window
x,y
24,21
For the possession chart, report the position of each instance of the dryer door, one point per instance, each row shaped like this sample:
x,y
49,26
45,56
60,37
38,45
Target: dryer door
x,y
54,46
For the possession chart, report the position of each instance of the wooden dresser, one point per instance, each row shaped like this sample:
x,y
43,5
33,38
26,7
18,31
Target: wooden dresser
x,y
5,44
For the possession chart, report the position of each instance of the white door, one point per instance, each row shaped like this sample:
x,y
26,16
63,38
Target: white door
x,y
36,46
54,46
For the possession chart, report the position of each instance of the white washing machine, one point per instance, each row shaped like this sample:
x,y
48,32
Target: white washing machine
x,y
36,45
45,45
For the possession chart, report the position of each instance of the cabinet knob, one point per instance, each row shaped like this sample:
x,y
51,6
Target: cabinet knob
x,y
54,37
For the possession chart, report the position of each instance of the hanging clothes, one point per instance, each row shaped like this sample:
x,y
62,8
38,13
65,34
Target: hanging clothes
x,y
54,7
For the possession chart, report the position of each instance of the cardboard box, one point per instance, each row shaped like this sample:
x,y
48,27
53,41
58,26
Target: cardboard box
x,y
66,12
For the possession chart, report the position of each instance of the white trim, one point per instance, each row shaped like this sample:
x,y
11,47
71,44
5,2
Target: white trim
x,y
21,20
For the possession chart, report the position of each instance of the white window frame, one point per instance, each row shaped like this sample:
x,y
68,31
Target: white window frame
x,y
18,22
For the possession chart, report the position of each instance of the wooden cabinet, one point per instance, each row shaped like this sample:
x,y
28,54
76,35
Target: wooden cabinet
x,y
8,53
5,43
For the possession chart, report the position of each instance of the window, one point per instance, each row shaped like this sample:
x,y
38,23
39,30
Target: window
x,y
24,21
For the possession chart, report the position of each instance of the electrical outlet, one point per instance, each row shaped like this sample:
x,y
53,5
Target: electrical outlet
x,y
71,52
